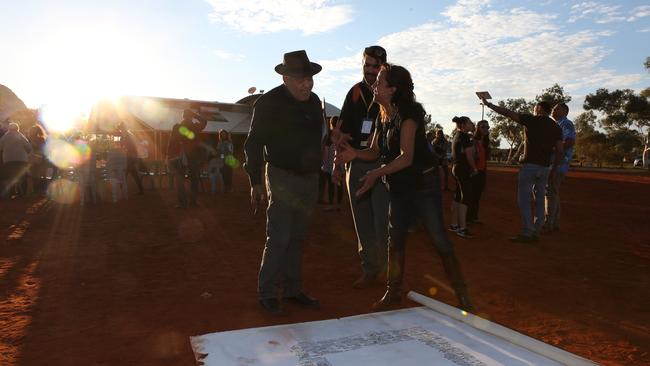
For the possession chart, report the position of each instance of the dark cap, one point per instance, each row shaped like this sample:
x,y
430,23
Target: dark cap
x,y
377,52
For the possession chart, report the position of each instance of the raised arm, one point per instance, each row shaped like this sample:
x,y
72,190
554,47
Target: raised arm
x,y
502,110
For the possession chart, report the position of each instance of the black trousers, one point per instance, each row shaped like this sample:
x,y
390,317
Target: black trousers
x,y
478,186
132,165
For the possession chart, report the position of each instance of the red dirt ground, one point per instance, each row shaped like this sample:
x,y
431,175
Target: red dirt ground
x,y
129,283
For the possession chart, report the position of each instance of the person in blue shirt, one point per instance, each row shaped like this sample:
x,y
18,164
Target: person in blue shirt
x,y
552,221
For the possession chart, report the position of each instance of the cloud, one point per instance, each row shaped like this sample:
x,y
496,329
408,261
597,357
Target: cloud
x,y
600,12
639,12
270,16
465,8
227,55
645,30
511,53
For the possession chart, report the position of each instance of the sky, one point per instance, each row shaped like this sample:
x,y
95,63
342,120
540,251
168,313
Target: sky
x,y
66,54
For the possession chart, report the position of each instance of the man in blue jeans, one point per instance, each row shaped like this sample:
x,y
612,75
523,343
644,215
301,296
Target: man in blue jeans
x,y
543,138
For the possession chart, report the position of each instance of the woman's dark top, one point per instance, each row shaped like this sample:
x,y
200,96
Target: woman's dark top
x,y
410,177
461,142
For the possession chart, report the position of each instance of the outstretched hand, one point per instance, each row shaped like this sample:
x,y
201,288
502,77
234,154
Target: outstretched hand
x,y
344,153
337,136
367,182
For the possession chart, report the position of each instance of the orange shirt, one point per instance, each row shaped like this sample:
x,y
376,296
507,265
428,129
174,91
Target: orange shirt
x,y
481,162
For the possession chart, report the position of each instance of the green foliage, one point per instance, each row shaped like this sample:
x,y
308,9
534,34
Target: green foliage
x,y
511,131
585,123
553,95
596,146
621,109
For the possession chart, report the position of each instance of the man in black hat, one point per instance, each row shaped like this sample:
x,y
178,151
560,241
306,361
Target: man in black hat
x,y
370,211
285,136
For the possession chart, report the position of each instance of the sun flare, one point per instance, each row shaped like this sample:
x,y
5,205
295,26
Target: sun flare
x,y
82,67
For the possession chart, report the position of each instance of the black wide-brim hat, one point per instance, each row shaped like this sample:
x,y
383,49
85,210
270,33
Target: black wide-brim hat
x,y
297,64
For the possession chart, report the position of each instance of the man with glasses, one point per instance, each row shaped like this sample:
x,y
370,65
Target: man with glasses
x,y
559,114
285,138
370,211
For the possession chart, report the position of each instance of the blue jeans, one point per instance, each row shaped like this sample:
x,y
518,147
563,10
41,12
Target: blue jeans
x,y
532,181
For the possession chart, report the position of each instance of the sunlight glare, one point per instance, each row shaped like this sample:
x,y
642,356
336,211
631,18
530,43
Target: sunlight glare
x,y
63,191
85,67
64,154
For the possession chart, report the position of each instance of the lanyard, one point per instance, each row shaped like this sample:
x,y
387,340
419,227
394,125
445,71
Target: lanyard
x,y
368,106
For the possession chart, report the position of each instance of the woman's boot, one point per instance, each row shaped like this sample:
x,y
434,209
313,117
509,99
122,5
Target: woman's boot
x,y
455,276
393,295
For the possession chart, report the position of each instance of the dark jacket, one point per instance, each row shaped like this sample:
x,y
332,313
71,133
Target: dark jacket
x,y
286,133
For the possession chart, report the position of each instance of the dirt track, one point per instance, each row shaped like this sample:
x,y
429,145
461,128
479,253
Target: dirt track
x,y
128,283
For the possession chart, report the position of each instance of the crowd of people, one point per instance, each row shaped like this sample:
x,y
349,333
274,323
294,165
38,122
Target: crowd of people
x,y
23,166
378,150
392,171
26,169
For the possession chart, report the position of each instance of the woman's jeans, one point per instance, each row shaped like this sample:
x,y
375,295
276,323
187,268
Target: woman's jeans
x,y
425,202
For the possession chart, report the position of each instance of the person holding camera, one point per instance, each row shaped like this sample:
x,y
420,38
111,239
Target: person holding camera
x,y
543,138
285,137
463,169
411,170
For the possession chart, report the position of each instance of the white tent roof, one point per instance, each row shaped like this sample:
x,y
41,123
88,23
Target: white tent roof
x,y
160,114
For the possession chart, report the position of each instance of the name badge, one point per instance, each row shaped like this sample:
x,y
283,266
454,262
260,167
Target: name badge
x,y
366,126
222,156
364,143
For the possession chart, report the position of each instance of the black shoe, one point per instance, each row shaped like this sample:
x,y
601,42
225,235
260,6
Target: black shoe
x,y
524,239
304,300
272,306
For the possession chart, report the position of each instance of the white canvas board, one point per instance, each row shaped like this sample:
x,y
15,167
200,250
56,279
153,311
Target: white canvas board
x,y
416,336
